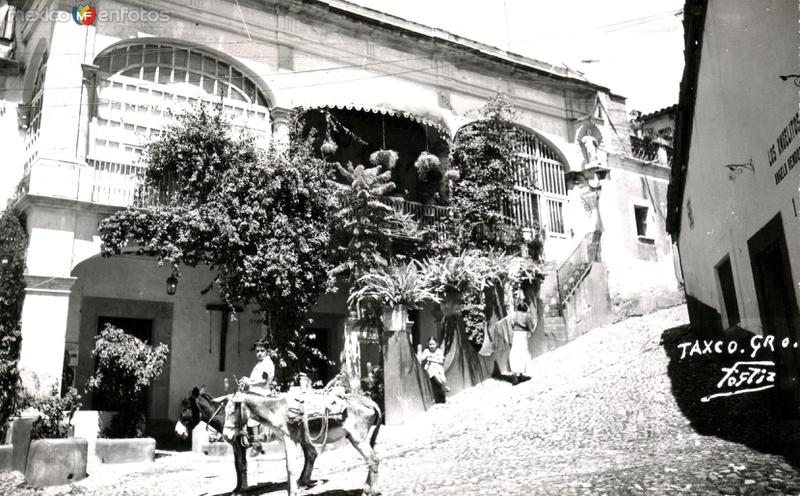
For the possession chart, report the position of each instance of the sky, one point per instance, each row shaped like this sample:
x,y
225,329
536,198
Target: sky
x,y
633,47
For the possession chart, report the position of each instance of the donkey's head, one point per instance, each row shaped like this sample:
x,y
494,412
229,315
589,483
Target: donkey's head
x,y
236,416
189,416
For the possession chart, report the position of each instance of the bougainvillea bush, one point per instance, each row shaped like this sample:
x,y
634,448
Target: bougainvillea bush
x,y
13,244
126,366
257,218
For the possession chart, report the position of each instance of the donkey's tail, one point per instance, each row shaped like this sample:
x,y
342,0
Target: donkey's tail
x,y
378,422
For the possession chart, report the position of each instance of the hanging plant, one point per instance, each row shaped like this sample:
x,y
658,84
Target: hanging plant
x,y
428,167
452,175
384,158
328,147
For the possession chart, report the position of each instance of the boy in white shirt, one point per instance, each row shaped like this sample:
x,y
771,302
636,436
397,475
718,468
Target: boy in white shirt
x,y
258,383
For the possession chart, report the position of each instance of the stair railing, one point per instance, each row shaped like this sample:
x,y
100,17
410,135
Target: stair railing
x,y
572,271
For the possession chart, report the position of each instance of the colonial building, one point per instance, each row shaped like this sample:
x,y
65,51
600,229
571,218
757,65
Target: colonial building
x,y
80,95
733,201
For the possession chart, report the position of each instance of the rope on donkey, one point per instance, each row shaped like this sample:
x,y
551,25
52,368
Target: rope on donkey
x,y
323,430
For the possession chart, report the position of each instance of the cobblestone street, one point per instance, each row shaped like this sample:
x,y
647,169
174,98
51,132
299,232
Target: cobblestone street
x,y
598,417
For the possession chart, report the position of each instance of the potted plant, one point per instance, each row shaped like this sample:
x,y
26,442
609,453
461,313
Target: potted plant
x,y
394,291
53,458
388,295
126,366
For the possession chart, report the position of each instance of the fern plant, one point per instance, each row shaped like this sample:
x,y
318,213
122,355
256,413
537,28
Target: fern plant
x,y
400,285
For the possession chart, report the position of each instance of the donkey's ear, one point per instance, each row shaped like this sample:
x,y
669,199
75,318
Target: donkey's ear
x,y
195,392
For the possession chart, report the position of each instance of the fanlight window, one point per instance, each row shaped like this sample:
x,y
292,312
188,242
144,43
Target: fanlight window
x,y
168,65
141,84
140,87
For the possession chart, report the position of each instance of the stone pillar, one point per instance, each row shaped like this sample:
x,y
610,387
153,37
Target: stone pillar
x,y
407,389
351,354
44,325
51,232
281,120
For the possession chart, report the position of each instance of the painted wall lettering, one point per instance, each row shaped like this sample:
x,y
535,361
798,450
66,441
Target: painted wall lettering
x,y
782,142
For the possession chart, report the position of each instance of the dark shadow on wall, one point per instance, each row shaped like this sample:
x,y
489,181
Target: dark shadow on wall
x,y
750,419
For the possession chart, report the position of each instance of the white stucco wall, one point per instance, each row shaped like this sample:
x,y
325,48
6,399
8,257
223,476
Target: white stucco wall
x,y
742,106
195,346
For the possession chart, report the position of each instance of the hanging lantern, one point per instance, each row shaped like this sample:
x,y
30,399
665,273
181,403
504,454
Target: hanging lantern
x,y
172,284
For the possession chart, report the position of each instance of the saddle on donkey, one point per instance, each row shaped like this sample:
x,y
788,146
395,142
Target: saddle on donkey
x,y
309,404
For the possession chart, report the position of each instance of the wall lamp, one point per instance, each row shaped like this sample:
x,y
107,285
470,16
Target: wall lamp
x,y
172,284
747,165
736,169
795,78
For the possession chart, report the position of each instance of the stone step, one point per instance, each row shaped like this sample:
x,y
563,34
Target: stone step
x,y
557,327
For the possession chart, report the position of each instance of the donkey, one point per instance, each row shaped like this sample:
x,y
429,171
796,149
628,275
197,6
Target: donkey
x,y
201,406
361,416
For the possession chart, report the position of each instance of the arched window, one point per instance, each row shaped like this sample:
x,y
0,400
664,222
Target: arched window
x,y
34,112
547,193
540,190
140,83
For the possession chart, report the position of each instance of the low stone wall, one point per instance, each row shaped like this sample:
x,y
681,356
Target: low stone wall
x,y
53,462
6,457
125,450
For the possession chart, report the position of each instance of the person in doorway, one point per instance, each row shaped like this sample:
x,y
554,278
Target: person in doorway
x,y
432,360
258,383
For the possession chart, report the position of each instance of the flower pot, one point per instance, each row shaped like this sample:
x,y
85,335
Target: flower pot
x,y
395,319
451,304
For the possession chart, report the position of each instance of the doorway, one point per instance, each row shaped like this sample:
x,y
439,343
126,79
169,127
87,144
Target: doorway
x,y
778,310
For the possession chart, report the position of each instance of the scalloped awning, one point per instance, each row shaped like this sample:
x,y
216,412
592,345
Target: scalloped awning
x,y
428,119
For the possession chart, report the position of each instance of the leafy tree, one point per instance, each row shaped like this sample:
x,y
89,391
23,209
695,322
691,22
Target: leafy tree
x,y
126,366
13,244
258,219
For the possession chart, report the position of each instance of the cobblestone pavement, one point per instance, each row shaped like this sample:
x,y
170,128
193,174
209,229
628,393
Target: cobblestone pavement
x,y
597,418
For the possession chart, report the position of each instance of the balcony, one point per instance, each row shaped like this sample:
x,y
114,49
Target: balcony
x,y
118,185
651,151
